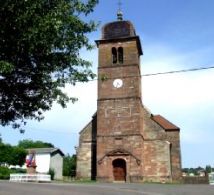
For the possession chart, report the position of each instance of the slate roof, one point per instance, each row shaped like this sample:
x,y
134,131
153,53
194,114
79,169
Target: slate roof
x,y
51,151
164,123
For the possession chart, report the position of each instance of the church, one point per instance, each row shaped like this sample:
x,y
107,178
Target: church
x,y
124,142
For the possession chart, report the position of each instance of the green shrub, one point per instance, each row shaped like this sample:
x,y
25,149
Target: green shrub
x,y
5,173
18,170
51,173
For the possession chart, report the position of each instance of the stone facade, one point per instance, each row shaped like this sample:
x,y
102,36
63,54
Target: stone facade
x,y
86,152
124,141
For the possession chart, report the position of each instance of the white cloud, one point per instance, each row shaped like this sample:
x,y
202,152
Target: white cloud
x,y
75,116
185,99
181,90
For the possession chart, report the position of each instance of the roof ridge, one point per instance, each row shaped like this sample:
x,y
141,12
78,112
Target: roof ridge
x,y
164,123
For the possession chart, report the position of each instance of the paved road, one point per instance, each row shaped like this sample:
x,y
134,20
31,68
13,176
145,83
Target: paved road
x,y
9,188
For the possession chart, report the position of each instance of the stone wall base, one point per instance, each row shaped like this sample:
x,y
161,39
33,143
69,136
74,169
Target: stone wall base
x,y
141,179
158,179
103,179
135,179
31,170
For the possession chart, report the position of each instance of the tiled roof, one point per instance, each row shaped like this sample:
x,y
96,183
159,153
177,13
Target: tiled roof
x,y
164,123
45,150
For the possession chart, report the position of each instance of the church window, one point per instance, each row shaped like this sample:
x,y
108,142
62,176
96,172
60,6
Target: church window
x,y
114,55
120,55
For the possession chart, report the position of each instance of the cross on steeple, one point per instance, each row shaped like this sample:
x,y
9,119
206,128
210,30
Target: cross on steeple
x,y
119,4
119,12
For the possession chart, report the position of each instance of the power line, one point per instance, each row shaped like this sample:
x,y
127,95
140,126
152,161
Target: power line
x,y
179,71
104,78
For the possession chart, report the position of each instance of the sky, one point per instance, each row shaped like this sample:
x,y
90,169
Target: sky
x,y
175,35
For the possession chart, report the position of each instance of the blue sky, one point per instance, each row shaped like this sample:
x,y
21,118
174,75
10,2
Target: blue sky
x,y
175,35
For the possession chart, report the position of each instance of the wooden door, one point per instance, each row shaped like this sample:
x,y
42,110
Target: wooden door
x,y
119,170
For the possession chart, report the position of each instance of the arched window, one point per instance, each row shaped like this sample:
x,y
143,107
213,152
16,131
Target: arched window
x,y
120,55
114,55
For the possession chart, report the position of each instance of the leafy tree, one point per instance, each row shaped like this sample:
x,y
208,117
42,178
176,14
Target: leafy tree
x,y
5,153
18,156
40,43
186,170
26,143
208,169
193,170
69,165
12,155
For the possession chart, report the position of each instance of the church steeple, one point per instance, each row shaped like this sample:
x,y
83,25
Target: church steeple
x,y
119,12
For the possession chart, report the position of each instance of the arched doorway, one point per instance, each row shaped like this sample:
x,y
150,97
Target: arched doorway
x,y
119,170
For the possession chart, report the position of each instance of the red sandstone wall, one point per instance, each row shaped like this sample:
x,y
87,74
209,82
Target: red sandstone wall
x,y
156,161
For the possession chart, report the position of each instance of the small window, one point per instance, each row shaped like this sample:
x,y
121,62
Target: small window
x,y
114,55
120,55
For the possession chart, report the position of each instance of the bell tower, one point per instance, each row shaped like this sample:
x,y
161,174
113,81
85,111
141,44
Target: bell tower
x,y
119,117
119,59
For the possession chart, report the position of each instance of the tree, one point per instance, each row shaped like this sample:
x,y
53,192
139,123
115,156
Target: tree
x,y
69,165
208,169
185,170
12,155
18,156
5,153
26,143
40,43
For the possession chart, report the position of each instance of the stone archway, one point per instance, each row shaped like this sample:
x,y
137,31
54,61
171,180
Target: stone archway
x,y
119,169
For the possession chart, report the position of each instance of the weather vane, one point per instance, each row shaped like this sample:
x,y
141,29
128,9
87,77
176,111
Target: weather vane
x,y
119,12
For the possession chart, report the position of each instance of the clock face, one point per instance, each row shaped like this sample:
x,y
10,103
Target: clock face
x,y
117,83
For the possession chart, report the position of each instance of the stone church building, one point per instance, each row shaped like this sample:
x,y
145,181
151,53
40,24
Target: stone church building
x,y
124,141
